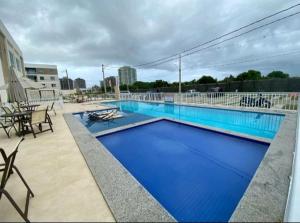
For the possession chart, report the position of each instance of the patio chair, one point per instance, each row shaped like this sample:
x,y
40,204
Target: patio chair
x,y
38,118
7,111
8,169
15,106
7,126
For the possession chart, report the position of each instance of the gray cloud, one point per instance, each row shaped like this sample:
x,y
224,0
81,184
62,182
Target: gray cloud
x,y
81,35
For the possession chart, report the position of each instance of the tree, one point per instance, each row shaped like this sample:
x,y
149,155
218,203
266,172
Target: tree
x,y
206,80
95,89
160,83
278,74
228,79
249,75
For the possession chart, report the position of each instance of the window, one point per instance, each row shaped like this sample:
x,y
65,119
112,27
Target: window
x,y
30,70
52,78
18,64
53,85
32,77
42,78
12,59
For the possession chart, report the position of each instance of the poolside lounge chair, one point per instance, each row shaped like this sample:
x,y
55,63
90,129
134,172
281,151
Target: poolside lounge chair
x,y
7,126
94,116
112,116
8,168
38,118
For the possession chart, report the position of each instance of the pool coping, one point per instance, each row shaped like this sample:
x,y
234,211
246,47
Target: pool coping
x,y
266,187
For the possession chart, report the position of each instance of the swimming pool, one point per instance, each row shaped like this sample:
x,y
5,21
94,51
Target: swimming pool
x,y
197,175
252,123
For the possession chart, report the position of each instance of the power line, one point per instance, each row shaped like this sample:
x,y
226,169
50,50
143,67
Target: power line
x,y
225,40
255,59
219,37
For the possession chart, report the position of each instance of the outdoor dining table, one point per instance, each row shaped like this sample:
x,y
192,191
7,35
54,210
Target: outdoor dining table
x,y
18,117
30,107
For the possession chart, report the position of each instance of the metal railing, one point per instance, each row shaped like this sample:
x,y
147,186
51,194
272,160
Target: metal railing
x,y
265,100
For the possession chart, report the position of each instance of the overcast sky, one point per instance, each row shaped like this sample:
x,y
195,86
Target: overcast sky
x,y
81,35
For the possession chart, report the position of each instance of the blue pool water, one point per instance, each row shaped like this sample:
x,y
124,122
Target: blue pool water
x,y
257,124
197,175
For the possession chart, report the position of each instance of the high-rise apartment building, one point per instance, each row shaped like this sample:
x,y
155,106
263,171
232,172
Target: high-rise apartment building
x,y
127,75
66,83
79,84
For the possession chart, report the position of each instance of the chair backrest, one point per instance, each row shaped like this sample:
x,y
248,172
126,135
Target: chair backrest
x,y
16,106
9,162
38,116
52,105
6,110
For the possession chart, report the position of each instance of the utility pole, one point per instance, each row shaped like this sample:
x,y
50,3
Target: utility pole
x,y
179,72
104,84
68,79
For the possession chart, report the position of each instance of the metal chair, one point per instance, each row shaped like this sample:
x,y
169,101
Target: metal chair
x,y
7,126
38,118
6,111
9,169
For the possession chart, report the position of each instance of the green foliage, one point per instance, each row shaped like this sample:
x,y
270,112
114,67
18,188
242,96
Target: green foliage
x,y
249,75
278,74
206,80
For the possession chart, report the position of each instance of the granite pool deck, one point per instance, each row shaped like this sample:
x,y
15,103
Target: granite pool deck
x,y
53,166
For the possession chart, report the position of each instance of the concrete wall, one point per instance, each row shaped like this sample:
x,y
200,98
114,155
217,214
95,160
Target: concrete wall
x,y
3,94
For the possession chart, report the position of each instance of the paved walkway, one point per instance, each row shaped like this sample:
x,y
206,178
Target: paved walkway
x,y
58,175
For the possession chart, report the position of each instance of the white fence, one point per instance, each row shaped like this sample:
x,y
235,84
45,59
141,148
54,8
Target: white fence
x,y
44,97
265,100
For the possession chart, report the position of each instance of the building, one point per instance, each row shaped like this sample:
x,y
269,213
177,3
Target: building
x,y
66,83
47,75
79,84
127,75
11,56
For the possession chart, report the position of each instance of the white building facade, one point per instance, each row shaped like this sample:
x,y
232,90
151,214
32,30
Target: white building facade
x,y
10,56
44,74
